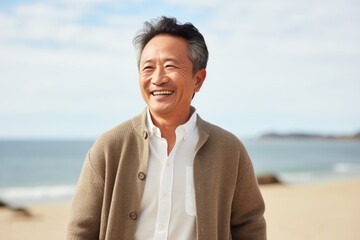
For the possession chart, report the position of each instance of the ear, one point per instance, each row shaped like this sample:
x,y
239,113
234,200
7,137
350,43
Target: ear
x,y
199,79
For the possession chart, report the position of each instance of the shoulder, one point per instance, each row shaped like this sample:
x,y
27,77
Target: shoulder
x,y
122,134
223,148
218,134
109,146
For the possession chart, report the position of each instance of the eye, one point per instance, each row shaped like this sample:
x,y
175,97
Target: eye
x,y
169,66
147,68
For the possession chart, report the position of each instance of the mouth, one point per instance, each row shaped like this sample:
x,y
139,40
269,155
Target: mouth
x,y
162,93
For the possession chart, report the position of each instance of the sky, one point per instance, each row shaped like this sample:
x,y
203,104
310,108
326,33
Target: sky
x,y
68,68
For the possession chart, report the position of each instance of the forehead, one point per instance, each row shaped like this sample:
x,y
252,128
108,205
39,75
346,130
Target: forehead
x,y
165,46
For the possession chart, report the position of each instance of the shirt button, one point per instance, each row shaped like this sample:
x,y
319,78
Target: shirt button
x,y
145,134
162,226
141,176
133,215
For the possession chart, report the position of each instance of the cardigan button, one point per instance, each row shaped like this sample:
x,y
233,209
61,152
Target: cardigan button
x,y
145,134
141,176
133,215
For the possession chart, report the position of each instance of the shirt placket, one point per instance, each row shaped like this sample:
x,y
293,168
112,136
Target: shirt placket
x,y
164,204
165,193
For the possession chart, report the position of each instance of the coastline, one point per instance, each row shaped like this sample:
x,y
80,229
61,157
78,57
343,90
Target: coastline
x,y
322,211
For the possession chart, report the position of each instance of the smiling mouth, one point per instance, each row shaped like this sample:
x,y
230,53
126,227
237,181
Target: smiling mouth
x,y
162,93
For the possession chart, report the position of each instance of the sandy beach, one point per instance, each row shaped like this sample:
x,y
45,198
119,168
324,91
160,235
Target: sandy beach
x,y
322,211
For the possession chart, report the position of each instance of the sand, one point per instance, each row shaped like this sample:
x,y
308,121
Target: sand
x,y
323,211
313,212
46,222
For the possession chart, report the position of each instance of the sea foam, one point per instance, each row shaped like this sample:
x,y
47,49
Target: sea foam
x,y
37,194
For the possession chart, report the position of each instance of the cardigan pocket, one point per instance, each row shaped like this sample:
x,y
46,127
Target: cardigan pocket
x,y
190,205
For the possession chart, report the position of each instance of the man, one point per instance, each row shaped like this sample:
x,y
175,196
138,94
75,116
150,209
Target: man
x,y
168,174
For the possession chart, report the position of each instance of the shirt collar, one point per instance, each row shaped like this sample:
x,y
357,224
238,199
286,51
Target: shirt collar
x,y
186,129
153,130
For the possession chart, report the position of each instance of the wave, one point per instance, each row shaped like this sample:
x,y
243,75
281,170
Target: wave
x,y
338,171
36,194
43,194
346,167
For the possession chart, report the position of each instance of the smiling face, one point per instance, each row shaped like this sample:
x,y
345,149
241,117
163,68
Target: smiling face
x,y
166,77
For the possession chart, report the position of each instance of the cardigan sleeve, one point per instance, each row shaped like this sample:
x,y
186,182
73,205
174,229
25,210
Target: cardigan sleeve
x,y
247,217
85,213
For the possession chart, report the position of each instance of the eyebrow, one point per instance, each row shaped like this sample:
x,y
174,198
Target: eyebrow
x,y
168,59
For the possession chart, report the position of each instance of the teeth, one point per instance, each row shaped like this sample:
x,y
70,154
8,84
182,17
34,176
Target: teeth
x,y
162,93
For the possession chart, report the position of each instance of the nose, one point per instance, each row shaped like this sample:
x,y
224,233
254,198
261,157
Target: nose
x,y
159,77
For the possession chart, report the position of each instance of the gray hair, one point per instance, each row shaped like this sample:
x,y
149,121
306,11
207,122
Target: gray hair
x,y
198,52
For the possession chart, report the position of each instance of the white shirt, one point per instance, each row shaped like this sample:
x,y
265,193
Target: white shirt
x,y
168,209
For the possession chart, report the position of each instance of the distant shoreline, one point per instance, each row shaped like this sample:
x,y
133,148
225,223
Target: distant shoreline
x,y
309,136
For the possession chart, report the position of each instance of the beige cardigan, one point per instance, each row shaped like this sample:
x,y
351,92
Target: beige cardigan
x,y
229,204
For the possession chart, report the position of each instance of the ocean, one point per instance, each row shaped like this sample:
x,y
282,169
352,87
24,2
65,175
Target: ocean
x,y
34,171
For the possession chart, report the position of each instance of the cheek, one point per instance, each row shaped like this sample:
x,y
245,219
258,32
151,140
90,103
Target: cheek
x,y
184,79
143,83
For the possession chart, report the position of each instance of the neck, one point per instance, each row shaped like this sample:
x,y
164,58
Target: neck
x,y
168,125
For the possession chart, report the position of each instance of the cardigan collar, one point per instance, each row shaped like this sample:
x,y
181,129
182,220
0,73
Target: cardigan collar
x,y
205,128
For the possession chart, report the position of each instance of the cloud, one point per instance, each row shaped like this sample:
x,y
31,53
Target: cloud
x,y
195,4
303,26
285,59
43,24
47,11
273,64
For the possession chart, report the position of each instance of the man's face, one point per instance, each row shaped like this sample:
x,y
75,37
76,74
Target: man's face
x,y
166,76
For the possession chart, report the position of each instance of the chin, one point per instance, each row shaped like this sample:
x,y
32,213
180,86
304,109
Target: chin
x,y
161,109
